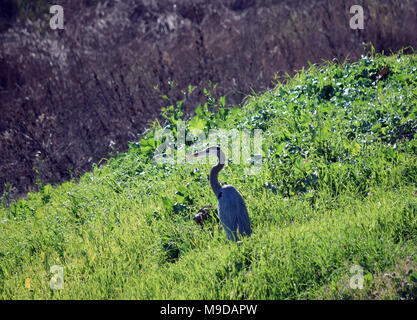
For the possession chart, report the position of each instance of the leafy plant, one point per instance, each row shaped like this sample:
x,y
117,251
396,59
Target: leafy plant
x,y
337,188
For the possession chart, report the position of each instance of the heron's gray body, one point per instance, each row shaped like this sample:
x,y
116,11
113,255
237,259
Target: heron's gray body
x,y
232,209
232,212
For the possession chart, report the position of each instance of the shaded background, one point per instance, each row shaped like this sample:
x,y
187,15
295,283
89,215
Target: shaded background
x,y
67,95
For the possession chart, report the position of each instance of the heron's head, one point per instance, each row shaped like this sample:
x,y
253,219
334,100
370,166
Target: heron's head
x,y
211,151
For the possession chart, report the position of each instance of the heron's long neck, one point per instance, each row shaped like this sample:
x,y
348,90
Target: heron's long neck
x,y
214,173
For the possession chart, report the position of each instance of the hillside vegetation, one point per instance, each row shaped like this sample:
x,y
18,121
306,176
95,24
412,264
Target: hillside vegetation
x,y
336,189
65,94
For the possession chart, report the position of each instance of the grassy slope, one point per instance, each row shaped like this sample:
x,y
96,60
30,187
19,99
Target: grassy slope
x,y
337,188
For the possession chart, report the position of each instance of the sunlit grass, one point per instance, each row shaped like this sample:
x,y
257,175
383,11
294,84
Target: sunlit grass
x,y
337,188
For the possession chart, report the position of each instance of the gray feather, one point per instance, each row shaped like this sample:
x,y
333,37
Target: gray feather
x,y
233,213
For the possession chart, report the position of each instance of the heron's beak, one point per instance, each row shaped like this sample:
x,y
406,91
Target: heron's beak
x,y
195,155
204,153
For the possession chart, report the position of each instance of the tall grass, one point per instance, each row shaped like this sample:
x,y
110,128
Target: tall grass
x,y
337,188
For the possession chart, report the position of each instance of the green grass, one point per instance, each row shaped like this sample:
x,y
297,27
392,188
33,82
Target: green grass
x,y
337,188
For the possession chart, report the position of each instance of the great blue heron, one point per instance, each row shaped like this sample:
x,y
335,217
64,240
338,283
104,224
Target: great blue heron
x,y
230,205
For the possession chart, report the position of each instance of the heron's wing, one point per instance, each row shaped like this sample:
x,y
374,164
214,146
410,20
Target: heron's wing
x,y
227,215
233,212
243,221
